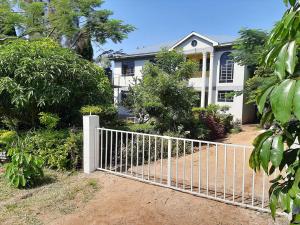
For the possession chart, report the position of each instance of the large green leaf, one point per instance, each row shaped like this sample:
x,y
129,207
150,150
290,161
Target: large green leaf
x,y
254,160
277,150
274,201
265,153
261,100
291,57
280,62
282,100
296,100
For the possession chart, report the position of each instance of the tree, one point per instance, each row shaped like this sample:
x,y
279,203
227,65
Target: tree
x,y
73,23
279,104
40,76
163,92
248,50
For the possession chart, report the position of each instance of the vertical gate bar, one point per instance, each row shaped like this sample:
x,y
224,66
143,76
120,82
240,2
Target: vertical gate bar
x,y
116,153
143,156
131,155
234,172
161,159
137,154
199,167
126,150
183,182
149,156
101,148
243,183
207,168
253,187
169,179
225,172
192,159
263,191
106,146
111,145
216,169
121,150
177,163
155,155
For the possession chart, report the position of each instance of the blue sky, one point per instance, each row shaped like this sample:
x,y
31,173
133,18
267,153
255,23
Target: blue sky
x,y
160,21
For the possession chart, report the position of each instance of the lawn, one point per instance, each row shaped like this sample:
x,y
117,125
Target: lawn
x,y
62,193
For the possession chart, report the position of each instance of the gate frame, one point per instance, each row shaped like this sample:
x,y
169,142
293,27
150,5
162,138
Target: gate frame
x,y
91,163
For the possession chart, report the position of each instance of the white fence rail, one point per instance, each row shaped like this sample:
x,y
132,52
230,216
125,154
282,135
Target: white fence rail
x,y
208,169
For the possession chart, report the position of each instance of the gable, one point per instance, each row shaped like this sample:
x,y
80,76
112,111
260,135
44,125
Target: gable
x,y
199,41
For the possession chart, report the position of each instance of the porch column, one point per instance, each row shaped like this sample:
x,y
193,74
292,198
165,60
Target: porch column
x,y
210,81
203,80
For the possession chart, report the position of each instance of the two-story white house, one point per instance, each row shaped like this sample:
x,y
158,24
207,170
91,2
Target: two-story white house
x,y
218,75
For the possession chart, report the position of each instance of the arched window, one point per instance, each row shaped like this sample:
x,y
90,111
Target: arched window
x,y
226,68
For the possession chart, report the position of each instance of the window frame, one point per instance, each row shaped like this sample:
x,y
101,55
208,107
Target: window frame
x,y
226,74
130,70
224,98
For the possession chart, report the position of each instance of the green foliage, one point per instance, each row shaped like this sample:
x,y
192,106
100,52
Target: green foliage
x,y
214,121
278,147
49,120
248,50
40,76
7,136
83,22
147,128
24,169
60,150
107,113
249,47
163,93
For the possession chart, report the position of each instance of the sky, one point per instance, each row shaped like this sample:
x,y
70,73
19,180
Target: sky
x,y
161,21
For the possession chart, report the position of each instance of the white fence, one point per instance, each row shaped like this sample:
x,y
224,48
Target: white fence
x,y
208,169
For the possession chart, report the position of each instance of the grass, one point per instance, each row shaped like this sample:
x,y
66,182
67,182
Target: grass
x,y
62,194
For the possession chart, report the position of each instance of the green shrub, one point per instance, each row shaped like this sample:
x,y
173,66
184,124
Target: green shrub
x,y
24,169
213,121
60,150
107,113
40,76
7,136
147,128
49,120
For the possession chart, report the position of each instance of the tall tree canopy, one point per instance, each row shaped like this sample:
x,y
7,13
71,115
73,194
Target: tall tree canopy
x,y
279,103
73,23
248,51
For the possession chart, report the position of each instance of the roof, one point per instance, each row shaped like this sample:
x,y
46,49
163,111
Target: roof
x,y
216,40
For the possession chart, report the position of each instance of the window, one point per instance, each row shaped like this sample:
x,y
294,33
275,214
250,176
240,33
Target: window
x,y
226,68
225,96
194,43
124,95
128,68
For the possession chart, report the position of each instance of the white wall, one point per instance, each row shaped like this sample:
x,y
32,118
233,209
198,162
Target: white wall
x,y
237,107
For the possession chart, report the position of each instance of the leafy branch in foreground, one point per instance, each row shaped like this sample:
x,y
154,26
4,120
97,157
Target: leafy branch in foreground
x,y
279,104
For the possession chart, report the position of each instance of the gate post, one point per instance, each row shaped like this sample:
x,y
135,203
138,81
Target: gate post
x,y
169,178
90,143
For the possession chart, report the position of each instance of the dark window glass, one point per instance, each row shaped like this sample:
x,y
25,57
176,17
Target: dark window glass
x,y
194,43
128,68
224,96
226,68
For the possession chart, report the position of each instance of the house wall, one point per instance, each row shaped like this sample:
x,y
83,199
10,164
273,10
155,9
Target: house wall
x,y
238,108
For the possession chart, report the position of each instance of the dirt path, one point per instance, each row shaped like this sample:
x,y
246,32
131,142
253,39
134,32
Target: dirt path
x,y
124,201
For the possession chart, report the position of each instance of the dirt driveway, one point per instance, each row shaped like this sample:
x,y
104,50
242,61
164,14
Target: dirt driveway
x,y
125,201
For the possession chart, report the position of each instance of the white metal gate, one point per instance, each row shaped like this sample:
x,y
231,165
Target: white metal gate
x,y
208,169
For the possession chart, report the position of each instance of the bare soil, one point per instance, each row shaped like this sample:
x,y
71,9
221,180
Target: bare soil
x,y
125,201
